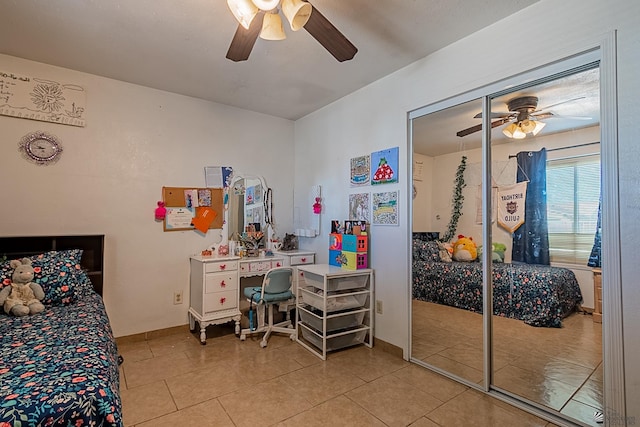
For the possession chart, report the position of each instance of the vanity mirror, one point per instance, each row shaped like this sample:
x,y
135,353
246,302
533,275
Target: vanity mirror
x,y
250,212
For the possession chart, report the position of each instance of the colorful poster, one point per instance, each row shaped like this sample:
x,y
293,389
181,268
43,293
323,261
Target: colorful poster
x,y
249,196
359,207
384,166
360,168
385,208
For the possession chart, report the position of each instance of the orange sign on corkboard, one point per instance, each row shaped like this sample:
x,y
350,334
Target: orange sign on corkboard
x,y
184,203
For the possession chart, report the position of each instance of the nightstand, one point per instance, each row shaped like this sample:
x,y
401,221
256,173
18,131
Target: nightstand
x,y
597,295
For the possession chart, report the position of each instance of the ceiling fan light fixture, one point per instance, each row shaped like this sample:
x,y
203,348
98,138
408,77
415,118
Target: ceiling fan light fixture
x,y
272,28
538,128
266,4
514,131
297,13
243,10
527,126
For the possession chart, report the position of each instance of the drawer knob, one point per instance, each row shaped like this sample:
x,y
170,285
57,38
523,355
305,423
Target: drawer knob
x,y
223,300
222,284
223,266
304,260
277,264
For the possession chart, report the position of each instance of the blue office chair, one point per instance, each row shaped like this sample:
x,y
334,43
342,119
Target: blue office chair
x,y
276,288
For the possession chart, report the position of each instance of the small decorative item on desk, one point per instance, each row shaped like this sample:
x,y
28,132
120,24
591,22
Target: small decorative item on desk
x,y
290,242
252,240
223,250
207,253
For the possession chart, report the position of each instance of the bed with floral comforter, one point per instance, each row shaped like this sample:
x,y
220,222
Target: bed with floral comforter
x,y
537,294
59,367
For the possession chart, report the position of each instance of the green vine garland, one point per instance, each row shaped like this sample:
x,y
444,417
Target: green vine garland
x,y
457,199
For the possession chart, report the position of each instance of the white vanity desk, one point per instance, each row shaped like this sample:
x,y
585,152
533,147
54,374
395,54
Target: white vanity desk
x,y
215,290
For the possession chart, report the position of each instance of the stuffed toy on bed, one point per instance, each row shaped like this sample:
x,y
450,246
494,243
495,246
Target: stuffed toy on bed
x,y
464,249
497,253
22,296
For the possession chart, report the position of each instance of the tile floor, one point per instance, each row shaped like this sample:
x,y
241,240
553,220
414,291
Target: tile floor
x,y
173,380
560,368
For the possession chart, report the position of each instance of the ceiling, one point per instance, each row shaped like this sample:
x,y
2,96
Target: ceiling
x,y
180,47
574,101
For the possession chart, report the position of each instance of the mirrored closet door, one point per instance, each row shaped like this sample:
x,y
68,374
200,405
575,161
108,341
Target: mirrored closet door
x,y
539,210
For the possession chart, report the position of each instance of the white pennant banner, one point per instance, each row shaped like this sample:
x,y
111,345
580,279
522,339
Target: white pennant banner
x,y
511,206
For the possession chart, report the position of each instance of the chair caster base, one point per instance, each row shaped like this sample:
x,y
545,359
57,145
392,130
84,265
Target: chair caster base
x,y
263,344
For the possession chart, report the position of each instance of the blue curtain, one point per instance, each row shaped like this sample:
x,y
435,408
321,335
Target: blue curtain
x,y
531,239
595,259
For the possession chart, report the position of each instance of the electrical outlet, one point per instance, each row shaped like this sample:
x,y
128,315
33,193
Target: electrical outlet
x,y
177,297
378,306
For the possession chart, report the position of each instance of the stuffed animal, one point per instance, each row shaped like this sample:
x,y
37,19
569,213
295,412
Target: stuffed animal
x,y
497,253
444,251
464,249
22,296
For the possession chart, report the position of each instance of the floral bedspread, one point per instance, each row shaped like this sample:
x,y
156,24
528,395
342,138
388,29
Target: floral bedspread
x,y
537,294
60,367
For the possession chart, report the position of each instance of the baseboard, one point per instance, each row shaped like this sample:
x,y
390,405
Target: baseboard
x,y
145,336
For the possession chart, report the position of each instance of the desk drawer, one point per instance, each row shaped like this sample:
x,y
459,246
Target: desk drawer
x,y
212,267
216,282
259,266
220,301
302,259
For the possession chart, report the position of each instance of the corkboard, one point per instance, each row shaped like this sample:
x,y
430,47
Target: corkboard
x,y
174,197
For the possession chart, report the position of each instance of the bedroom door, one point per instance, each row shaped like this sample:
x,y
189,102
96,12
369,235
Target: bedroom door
x,y
540,347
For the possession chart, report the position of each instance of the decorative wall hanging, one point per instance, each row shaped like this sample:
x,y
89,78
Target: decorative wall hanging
x,y
385,208
360,168
359,207
40,148
511,206
384,168
456,201
34,98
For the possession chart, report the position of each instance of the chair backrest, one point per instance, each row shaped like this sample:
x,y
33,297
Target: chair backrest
x,y
277,280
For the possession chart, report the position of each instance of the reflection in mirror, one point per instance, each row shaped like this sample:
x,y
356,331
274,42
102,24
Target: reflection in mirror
x,y
447,275
247,222
553,349
546,339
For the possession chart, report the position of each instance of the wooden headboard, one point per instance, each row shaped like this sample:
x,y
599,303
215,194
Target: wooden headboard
x,y
92,246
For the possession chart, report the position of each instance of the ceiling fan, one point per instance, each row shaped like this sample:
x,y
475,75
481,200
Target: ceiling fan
x,y
262,18
523,115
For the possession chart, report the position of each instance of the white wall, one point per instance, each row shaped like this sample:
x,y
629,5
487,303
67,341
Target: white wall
x,y
374,118
422,202
111,175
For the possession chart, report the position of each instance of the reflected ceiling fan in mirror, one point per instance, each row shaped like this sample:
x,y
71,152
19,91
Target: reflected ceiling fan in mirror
x,y
523,116
262,18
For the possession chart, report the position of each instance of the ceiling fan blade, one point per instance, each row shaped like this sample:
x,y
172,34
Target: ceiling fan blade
x,y
476,128
559,103
329,37
244,39
494,115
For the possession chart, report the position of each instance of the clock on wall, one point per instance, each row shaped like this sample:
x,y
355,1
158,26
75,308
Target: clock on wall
x,y
40,148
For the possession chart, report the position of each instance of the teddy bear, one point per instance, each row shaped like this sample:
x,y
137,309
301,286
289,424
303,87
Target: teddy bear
x,y
22,296
464,249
